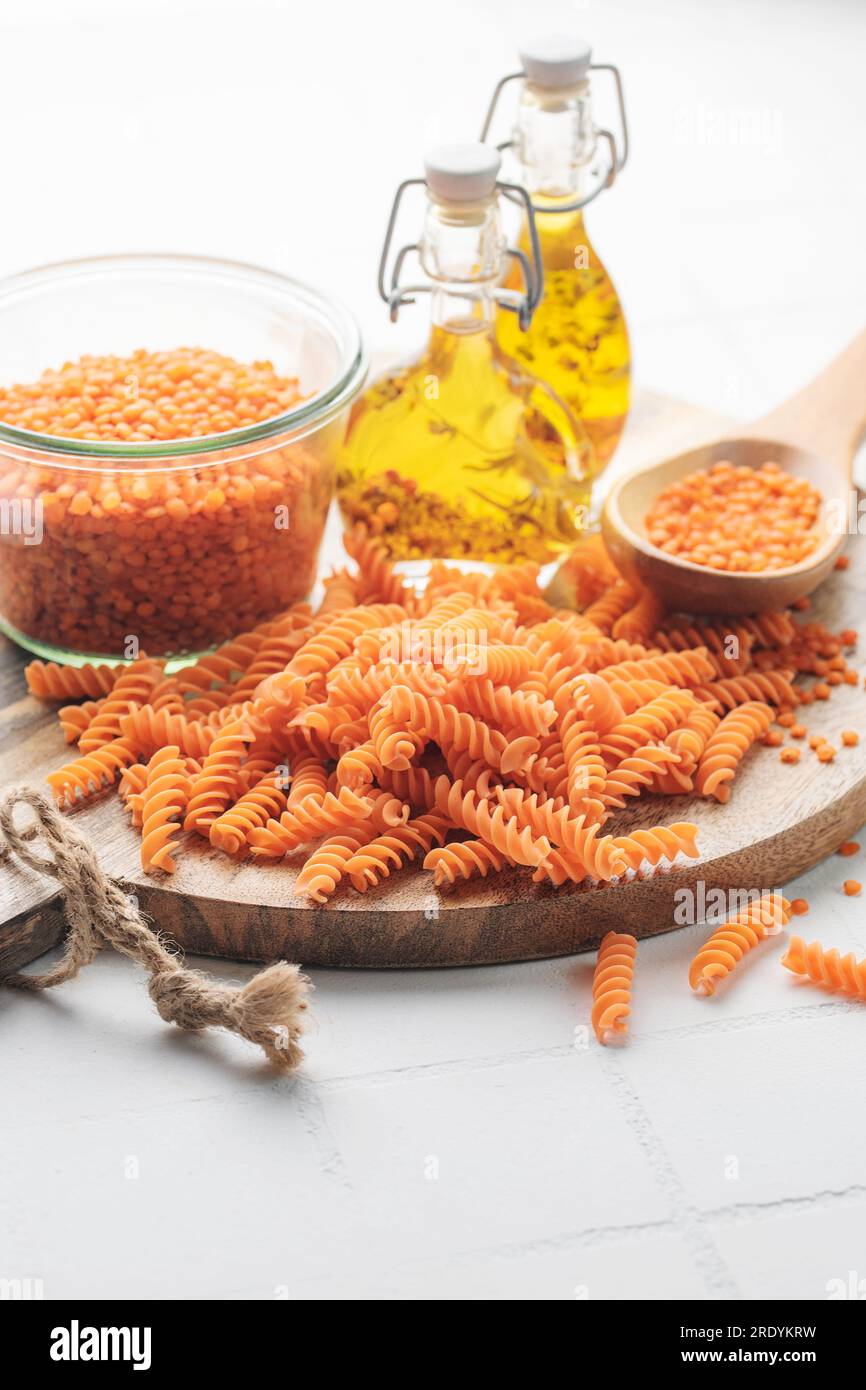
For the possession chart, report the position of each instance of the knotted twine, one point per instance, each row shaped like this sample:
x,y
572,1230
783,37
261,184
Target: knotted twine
x,y
268,1010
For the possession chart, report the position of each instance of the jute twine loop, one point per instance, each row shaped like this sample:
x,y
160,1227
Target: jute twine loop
x,y
268,1010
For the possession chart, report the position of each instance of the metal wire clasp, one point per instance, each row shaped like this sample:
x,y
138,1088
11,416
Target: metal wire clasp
x,y
523,303
618,154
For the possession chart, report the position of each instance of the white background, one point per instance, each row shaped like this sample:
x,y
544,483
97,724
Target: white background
x,y
275,133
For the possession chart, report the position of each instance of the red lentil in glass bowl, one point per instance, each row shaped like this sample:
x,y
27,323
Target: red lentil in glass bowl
x,y
176,543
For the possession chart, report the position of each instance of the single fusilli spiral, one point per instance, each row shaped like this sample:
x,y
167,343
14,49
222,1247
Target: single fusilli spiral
x,y
149,729
688,742
377,580
360,766
272,657
337,639
598,703
842,974
395,745
309,778
737,934
364,690
472,858
512,709
728,745
729,650
263,802
162,806
388,852
615,601
684,669
640,769
611,986
606,653
501,664
586,773
215,788
341,592
130,789
774,687
770,629
653,721
48,681
306,821
639,621
661,842
326,865
87,775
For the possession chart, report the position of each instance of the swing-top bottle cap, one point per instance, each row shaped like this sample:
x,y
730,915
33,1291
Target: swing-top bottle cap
x,y
462,173
556,61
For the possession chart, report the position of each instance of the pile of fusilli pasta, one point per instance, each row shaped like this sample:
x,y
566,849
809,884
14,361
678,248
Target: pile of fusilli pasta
x,y
471,727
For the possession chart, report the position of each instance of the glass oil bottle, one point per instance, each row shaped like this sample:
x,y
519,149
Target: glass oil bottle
x,y
577,341
462,454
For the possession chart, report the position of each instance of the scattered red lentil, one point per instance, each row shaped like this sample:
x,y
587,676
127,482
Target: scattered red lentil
x,y
848,637
799,907
822,691
816,740
850,738
798,731
851,677
852,887
790,755
786,719
773,737
850,847
842,562
735,518
802,605
826,753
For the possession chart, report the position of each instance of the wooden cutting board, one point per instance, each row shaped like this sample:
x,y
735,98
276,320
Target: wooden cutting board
x,y
780,821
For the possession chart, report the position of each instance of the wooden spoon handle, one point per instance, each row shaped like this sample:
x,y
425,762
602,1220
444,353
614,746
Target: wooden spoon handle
x,y
828,416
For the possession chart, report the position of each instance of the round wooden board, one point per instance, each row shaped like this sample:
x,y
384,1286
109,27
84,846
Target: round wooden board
x,y
780,821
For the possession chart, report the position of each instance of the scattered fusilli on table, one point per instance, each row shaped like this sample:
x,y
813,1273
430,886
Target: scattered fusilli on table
x,y
734,937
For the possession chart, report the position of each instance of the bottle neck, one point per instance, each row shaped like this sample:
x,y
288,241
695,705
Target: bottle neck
x,y
456,312
555,141
462,251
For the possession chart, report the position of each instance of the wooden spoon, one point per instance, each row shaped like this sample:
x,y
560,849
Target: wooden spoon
x,y
814,435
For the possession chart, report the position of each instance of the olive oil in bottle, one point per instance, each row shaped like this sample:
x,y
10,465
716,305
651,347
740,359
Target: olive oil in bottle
x,y
577,341
462,453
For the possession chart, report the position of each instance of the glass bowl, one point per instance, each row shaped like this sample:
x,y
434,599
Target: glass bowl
x,y
168,547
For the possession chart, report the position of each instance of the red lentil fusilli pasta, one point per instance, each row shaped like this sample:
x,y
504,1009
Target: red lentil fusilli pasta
x,y
737,934
391,725
841,974
611,986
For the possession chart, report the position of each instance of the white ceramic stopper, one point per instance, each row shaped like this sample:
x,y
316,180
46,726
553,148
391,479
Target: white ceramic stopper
x,y
556,61
462,173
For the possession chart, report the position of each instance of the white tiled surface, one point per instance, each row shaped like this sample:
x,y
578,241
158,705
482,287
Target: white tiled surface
x,y
450,1135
